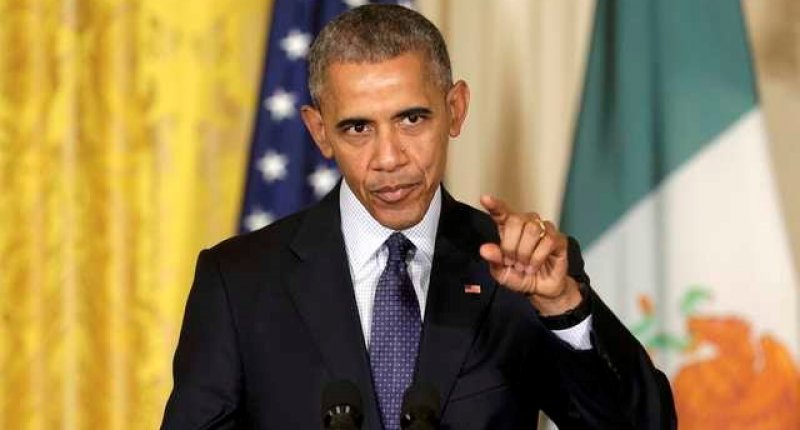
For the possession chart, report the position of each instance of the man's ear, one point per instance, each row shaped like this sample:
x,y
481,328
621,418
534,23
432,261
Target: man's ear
x,y
316,127
457,104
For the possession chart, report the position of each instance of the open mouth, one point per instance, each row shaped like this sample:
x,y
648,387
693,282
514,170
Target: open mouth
x,y
394,193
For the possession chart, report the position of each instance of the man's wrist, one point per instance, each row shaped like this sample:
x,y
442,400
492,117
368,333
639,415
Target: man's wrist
x,y
570,298
572,315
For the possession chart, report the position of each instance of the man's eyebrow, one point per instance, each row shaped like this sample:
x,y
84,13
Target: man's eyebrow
x,y
422,111
349,122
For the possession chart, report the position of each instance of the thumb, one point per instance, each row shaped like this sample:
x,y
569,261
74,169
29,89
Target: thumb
x,y
492,253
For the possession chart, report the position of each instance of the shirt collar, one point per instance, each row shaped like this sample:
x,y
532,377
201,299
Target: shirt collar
x,y
364,236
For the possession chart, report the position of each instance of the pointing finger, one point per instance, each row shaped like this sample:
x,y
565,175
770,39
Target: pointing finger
x,y
497,208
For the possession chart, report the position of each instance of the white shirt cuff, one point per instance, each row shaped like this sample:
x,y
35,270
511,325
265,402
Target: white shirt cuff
x,y
577,336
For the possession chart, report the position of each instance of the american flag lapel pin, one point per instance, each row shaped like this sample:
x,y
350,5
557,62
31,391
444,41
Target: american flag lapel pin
x,y
474,289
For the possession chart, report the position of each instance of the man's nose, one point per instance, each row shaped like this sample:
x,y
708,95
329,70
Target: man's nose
x,y
389,153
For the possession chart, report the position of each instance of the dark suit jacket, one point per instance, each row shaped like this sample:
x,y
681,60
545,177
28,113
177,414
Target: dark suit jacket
x,y
271,318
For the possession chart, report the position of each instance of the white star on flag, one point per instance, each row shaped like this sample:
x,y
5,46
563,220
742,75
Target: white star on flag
x,y
296,44
355,3
273,166
258,219
323,180
280,105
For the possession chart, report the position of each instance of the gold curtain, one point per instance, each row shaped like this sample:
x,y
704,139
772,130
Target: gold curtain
x,y
123,132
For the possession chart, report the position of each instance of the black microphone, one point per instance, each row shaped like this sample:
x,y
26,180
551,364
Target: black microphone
x,y
420,409
341,406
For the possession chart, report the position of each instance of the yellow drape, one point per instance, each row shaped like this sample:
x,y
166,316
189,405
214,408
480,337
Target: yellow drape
x,y
123,131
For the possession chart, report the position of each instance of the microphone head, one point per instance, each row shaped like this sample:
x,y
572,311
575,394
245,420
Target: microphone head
x,y
341,405
421,406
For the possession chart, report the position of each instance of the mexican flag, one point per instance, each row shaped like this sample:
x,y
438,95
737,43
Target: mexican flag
x,y
672,195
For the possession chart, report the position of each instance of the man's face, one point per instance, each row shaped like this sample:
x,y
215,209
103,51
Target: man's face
x,y
387,125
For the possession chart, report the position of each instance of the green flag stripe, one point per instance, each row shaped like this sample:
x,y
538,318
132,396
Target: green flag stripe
x,y
663,79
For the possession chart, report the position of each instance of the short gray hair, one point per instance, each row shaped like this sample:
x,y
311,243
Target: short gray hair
x,y
374,33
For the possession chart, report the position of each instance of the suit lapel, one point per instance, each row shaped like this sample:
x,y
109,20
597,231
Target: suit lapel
x,y
322,290
452,316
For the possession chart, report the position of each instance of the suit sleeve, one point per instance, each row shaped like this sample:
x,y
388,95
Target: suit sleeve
x,y
207,366
612,386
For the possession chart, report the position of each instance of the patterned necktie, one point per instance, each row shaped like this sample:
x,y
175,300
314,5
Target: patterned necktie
x,y
396,326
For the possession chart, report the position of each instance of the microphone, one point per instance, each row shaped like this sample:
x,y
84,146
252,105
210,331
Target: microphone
x,y
341,406
420,410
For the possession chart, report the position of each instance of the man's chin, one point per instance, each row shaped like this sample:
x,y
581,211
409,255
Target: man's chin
x,y
398,219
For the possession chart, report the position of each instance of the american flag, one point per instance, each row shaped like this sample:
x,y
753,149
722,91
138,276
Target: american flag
x,y
472,289
286,172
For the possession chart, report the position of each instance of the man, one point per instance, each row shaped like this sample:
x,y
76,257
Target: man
x,y
389,281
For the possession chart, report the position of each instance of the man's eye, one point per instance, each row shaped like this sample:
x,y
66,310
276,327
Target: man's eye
x,y
413,118
357,128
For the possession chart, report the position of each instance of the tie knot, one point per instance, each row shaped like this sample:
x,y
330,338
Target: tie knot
x,y
398,245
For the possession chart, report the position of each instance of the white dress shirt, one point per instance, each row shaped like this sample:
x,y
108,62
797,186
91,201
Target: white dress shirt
x,y
364,239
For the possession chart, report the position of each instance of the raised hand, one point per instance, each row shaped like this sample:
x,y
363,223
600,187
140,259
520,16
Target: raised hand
x,y
531,258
